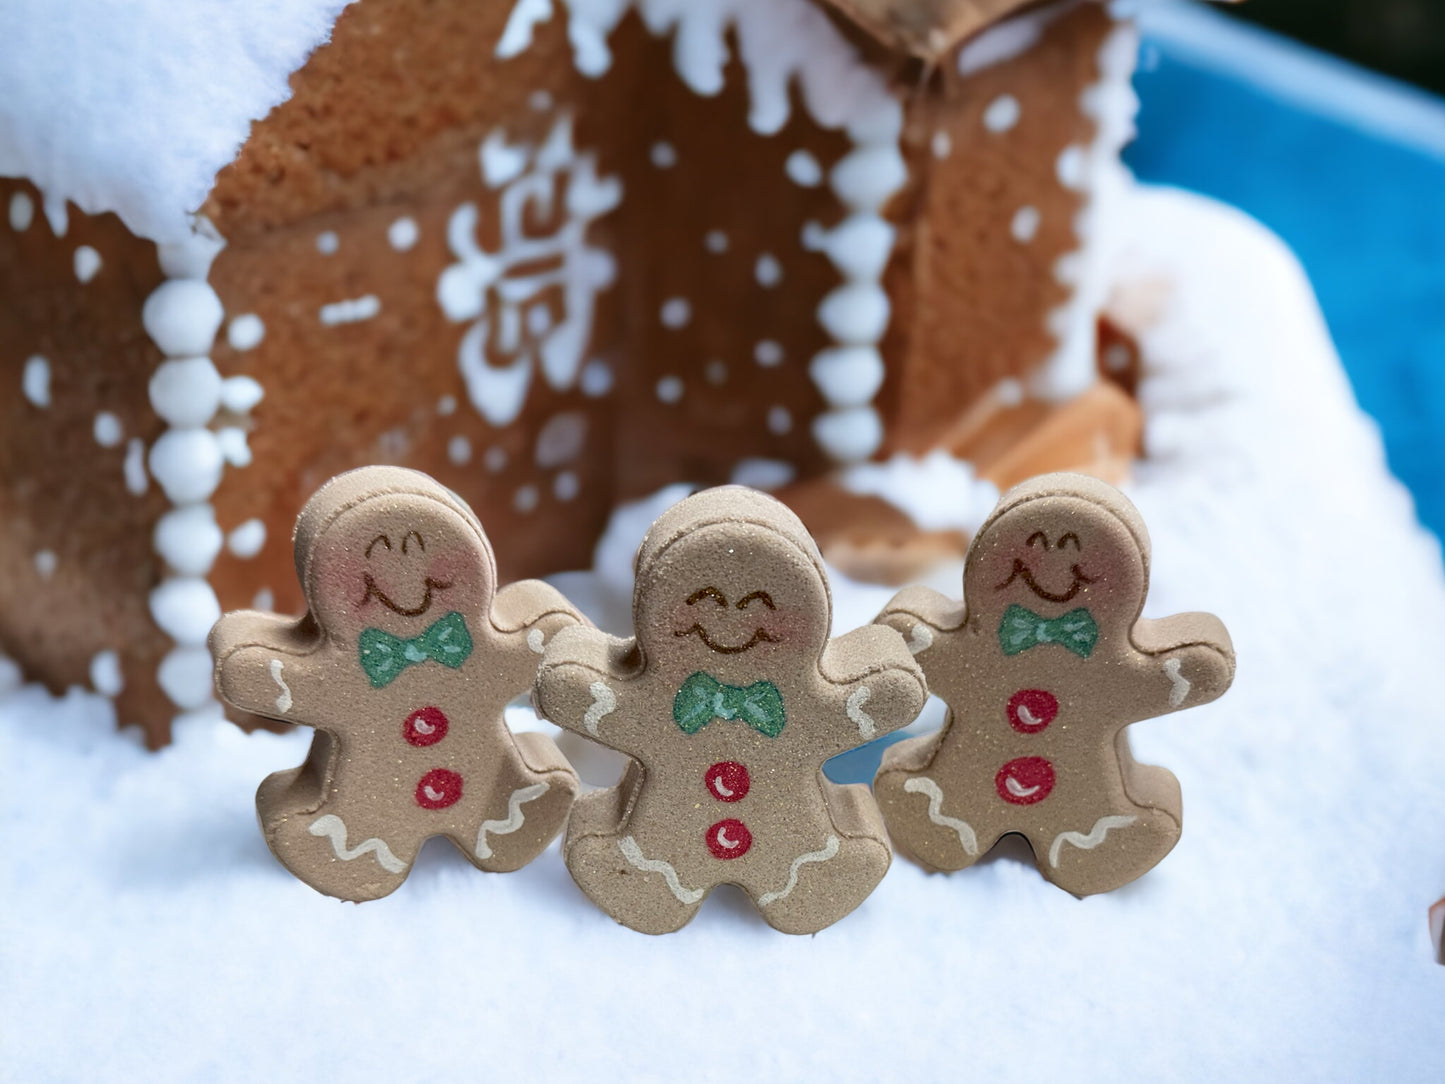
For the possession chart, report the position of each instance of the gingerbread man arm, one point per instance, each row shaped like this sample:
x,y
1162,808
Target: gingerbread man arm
x,y
922,616
1184,661
584,684
876,686
526,615
271,665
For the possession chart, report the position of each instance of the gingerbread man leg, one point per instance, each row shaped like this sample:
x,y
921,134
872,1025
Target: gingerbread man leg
x,y
533,793
922,819
617,873
1107,851
342,848
856,855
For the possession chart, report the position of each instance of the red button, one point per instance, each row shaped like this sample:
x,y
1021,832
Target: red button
x,y
425,726
1030,710
1025,781
729,839
727,781
438,789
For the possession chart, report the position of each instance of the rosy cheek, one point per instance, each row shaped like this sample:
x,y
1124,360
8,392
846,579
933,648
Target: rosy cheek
x,y
449,568
683,616
340,576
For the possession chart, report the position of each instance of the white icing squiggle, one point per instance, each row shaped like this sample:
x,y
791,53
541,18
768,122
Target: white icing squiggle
x,y
633,853
283,698
967,838
920,638
334,827
1179,684
514,817
1088,842
604,702
856,699
829,849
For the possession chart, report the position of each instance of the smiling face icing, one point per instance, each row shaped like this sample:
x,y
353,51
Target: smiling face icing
x,y
398,564
736,604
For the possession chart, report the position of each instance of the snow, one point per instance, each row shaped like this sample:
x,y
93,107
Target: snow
x,y
86,122
147,933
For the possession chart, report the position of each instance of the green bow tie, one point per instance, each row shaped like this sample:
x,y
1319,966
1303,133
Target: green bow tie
x,y
703,698
1022,629
383,655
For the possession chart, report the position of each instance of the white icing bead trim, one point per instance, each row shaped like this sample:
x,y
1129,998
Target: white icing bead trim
x,y
186,393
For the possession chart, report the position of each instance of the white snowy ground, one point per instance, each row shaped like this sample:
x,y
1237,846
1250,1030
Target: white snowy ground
x,y
147,934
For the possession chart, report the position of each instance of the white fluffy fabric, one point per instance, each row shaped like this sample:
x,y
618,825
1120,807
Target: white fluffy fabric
x,y
135,107
147,934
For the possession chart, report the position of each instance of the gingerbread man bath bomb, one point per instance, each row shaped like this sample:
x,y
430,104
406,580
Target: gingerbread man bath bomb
x,y
403,663
1043,666
729,699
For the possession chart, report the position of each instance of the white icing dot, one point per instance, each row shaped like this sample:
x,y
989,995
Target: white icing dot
x,y
403,233
22,211
942,144
107,429
351,310
105,675
565,486
856,313
540,100
768,353
185,675
182,317
240,394
849,435
561,439
185,608
245,331
669,389
525,499
675,312
188,539
780,420
596,379
495,459
1009,392
137,481
447,405
231,440
191,257
869,175
1025,225
327,242
763,473
803,169
716,372
187,392
247,539
87,263
45,562
265,599
769,272
35,380
1073,167
1002,113
716,242
187,463
459,450
663,154
847,375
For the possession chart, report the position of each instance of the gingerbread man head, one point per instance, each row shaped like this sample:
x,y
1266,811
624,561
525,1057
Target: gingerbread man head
x,y
391,550
1071,568
731,583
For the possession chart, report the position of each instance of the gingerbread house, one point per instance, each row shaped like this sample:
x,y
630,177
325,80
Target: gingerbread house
x,y
557,253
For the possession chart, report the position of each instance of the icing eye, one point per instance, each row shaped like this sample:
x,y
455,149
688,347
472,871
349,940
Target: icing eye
x,y
1070,537
707,592
383,540
421,545
1038,536
757,596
